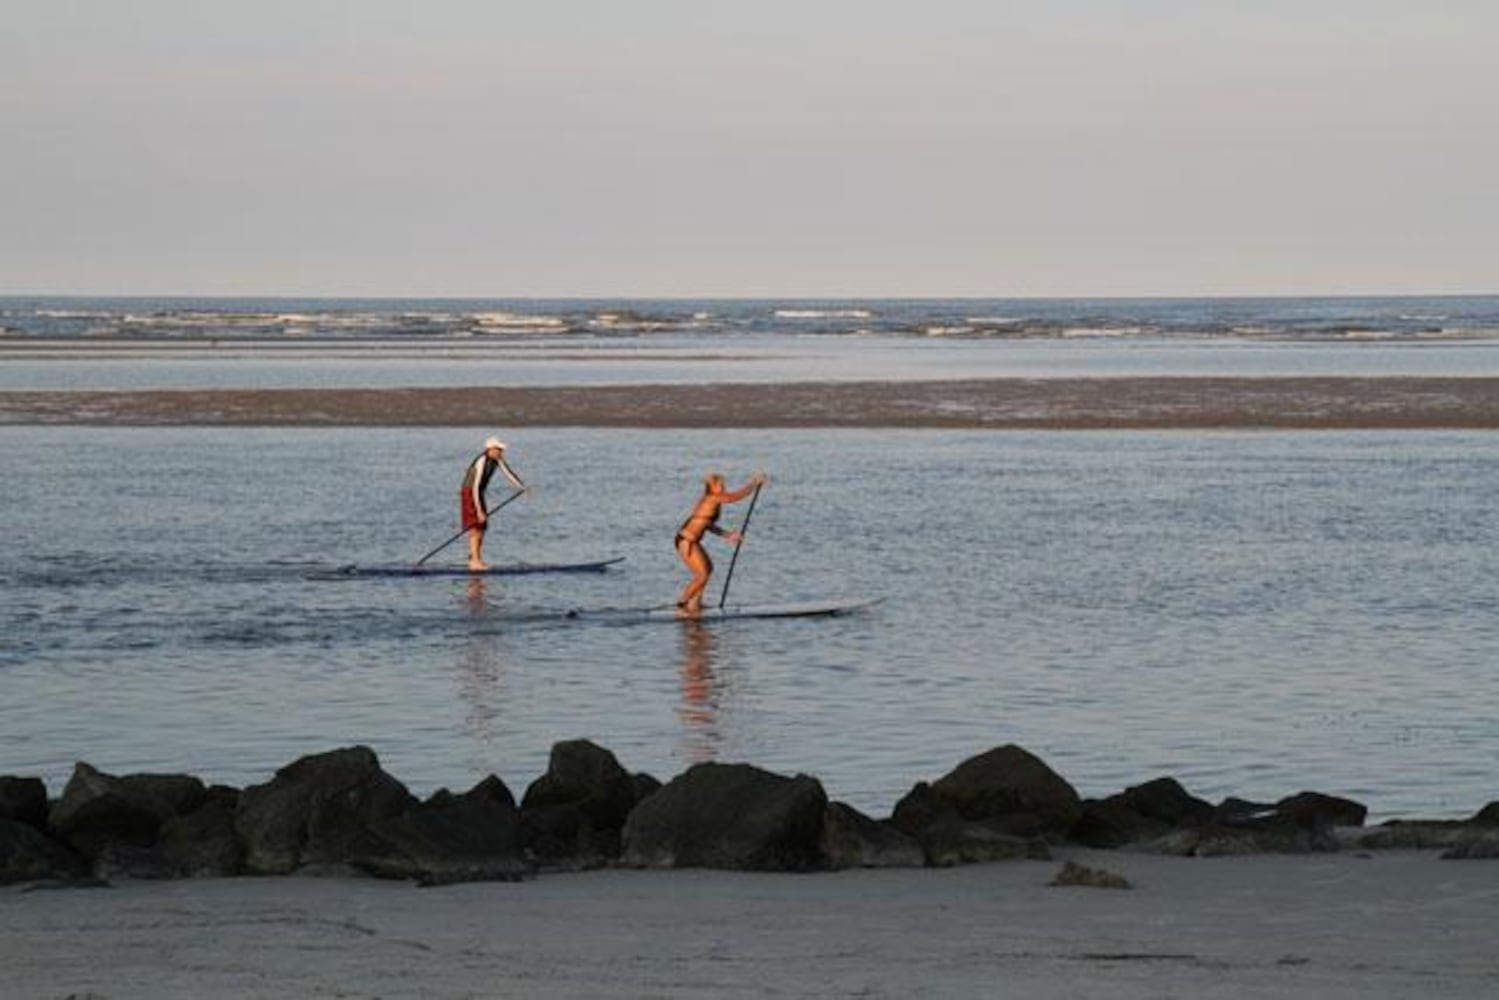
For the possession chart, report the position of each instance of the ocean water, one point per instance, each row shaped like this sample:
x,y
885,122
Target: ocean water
x,y
78,344
1252,613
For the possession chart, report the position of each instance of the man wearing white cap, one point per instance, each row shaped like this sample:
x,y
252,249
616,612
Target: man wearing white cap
x,y
471,496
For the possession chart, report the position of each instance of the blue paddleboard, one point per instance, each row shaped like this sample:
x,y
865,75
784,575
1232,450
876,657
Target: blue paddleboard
x,y
505,569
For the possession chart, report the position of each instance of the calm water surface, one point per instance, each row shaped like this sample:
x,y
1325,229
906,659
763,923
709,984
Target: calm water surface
x,y
1252,613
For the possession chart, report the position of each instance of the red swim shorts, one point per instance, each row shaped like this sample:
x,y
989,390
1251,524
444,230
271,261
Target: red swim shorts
x,y
470,511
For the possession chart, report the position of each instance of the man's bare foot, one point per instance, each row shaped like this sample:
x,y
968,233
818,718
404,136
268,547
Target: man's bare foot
x,y
692,610
477,567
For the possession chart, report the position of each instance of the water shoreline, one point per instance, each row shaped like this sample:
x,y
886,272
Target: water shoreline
x,y
1113,403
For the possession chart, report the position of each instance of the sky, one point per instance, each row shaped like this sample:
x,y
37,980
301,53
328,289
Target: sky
x,y
817,148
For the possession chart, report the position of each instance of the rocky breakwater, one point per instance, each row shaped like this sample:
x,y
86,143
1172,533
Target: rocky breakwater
x,y
341,813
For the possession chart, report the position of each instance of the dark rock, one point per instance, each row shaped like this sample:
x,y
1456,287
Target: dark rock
x,y
852,840
1140,813
645,786
1014,788
27,854
24,800
1487,816
957,841
729,816
203,843
98,810
491,788
313,808
1413,835
1474,844
573,814
1299,824
453,838
1316,809
583,774
561,838
1073,874
1232,811
1006,791
121,860
1164,800
1109,823
1257,834
921,808
948,838
180,793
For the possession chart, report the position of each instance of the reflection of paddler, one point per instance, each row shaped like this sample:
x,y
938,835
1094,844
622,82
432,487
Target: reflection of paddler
x,y
471,503
704,520
699,708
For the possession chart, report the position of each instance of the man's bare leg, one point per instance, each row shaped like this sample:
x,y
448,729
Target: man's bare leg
x,y
476,551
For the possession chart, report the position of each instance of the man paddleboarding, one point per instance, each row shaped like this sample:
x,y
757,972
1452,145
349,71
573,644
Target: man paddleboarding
x,y
704,520
473,509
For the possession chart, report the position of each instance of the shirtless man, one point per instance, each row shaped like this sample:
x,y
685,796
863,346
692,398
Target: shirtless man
x,y
704,519
471,503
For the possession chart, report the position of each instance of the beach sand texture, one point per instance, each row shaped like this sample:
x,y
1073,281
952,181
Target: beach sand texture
x,y
1347,925
1061,403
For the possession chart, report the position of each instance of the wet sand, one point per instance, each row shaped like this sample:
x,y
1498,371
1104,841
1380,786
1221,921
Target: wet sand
x,y
1069,403
1347,925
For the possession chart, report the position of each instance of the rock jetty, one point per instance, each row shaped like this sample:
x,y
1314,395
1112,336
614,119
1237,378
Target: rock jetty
x,y
339,812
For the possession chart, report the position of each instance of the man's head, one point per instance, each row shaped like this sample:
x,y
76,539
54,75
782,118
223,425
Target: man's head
x,y
494,446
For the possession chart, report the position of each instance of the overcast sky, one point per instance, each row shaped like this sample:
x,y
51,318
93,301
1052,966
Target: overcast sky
x,y
773,148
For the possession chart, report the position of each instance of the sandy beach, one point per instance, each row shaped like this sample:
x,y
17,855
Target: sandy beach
x,y
1355,925
1062,403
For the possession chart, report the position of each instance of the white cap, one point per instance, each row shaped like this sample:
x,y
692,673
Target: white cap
x,y
494,443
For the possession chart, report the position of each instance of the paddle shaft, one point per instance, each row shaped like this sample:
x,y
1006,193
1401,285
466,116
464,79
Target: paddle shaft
x,y
488,513
729,575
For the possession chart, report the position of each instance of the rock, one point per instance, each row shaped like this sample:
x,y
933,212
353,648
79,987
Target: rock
x,y
1010,781
1487,816
1316,809
1413,835
573,815
98,810
313,808
1139,813
1239,826
729,816
1012,787
448,839
1262,834
645,786
586,775
180,793
1474,844
1109,823
956,841
27,855
1233,811
1074,874
491,788
1164,800
851,839
24,800
203,843
921,808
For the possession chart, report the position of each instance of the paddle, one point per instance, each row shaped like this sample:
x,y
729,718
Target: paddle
x,y
490,513
729,576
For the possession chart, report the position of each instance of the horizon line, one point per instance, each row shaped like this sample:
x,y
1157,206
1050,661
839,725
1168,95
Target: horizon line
x,y
796,297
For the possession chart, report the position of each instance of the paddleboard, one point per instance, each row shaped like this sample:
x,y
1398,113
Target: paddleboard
x,y
668,613
499,569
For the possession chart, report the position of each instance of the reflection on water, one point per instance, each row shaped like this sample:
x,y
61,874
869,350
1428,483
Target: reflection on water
x,y
481,670
701,694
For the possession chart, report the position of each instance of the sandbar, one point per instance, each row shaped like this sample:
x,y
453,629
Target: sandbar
x,y
1004,403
